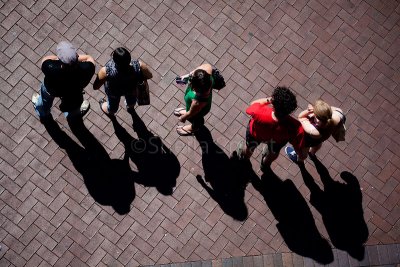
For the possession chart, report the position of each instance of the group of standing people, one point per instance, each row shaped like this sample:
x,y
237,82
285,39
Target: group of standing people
x,y
67,74
271,123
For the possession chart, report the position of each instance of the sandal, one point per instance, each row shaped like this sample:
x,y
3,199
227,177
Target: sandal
x,y
101,102
177,111
183,132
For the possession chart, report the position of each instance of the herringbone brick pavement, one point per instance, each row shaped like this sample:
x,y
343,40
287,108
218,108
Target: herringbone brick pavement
x,y
57,208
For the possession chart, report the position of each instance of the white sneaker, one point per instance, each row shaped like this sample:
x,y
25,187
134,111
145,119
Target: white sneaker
x,y
85,107
35,98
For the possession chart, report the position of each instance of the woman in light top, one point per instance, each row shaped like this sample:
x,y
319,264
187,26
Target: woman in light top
x,y
319,122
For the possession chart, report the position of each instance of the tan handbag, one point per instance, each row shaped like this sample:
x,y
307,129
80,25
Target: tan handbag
x,y
142,88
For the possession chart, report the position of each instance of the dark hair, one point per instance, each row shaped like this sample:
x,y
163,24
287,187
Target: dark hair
x,y
201,81
284,101
121,57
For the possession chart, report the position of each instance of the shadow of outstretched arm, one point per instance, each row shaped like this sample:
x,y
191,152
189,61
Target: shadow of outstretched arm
x,y
295,220
227,178
340,205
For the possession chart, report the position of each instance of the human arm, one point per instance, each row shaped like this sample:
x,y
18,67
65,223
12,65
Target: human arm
x,y
258,107
207,67
51,57
262,100
100,79
304,118
145,70
195,108
337,116
85,58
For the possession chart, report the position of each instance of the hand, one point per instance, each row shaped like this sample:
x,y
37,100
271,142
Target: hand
x,y
182,118
185,76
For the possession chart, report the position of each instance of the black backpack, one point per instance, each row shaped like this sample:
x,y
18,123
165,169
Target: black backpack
x,y
219,81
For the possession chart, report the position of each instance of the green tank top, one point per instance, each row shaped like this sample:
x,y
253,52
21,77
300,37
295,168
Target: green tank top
x,y
190,95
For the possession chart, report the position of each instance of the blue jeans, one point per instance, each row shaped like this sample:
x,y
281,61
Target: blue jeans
x,y
113,102
45,102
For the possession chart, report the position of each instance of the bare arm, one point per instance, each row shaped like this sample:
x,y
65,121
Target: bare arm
x,y
305,122
336,116
51,57
100,79
145,70
195,108
83,58
262,101
207,67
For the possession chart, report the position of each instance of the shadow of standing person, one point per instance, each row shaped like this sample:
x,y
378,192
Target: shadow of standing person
x,y
157,166
109,181
228,178
295,221
340,205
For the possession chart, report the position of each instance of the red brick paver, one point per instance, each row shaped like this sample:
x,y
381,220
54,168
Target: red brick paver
x,y
51,212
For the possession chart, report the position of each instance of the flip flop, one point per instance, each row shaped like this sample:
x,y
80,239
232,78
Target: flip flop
x,y
185,133
101,102
177,111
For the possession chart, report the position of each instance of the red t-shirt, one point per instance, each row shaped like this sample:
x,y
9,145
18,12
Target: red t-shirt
x,y
263,127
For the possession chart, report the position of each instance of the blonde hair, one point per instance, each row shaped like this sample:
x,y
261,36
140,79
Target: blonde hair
x,y
323,111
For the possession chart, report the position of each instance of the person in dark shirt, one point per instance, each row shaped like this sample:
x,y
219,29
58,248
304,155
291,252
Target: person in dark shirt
x,y
120,77
66,76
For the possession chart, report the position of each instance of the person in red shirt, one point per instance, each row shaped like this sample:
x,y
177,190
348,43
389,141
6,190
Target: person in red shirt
x,y
272,124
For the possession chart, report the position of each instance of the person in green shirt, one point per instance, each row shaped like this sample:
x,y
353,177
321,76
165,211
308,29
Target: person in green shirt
x,y
198,98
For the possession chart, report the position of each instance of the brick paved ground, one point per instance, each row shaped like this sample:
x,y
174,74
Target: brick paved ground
x,y
59,207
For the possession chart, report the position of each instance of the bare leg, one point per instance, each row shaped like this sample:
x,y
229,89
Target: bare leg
x,y
104,107
314,149
188,127
185,130
302,154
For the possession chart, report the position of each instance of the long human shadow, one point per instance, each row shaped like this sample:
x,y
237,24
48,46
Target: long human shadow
x,y
157,165
109,181
340,205
295,221
227,177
